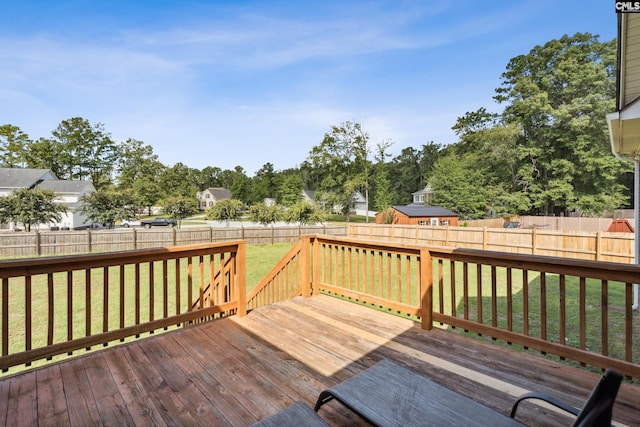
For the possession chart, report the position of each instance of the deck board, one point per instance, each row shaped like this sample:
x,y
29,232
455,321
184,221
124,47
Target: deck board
x,y
236,371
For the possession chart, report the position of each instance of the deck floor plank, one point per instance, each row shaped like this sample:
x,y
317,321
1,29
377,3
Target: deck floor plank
x,y
235,371
52,407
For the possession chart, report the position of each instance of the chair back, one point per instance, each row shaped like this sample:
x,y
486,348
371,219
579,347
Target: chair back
x,y
597,410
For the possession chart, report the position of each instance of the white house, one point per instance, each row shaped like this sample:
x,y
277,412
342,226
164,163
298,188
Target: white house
x,y
210,196
69,192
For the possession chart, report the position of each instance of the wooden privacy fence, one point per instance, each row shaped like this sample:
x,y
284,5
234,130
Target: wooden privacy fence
x,y
22,244
578,310
56,305
596,246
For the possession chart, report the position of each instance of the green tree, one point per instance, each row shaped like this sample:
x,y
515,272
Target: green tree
x,y
559,95
180,207
265,214
178,180
226,210
13,145
343,156
290,190
31,206
263,184
86,152
304,213
105,207
136,161
45,154
383,196
460,185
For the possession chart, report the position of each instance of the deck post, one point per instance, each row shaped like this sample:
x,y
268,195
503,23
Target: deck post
x,y
315,278
304,275
241,279
426,290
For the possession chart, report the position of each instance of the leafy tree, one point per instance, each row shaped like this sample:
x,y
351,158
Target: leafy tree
x,y
343,157
226,210
265,214
105,207
178,180
559,94
31,206
304,213
387,216
411,170
241,185
86,151
383,196
13,145
180,207
263,184
146,193
290,190
45,154
459,184
136,161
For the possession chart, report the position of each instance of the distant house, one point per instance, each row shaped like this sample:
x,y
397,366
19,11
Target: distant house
x,y
211,196
419,214
424,196
309,196
68,192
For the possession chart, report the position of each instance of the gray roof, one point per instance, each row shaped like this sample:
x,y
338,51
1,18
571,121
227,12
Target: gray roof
x,y
65,186
419,210
219,193
23,178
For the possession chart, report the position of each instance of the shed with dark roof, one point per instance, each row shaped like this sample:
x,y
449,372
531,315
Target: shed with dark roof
x,y
419,214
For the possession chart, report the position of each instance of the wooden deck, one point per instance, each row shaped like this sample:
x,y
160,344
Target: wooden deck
x,y
235,371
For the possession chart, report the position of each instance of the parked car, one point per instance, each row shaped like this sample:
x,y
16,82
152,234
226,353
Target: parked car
x,y
130,222
511,224
158,222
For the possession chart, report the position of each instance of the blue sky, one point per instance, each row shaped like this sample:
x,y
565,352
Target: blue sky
x,y
226,83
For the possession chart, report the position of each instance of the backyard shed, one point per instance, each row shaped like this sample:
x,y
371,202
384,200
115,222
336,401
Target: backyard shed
x,y
419,214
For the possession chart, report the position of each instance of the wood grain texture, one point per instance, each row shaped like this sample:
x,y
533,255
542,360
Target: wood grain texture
x,y
240,370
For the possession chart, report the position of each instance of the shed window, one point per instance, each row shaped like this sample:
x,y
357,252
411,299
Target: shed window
x,y
434,222
422,222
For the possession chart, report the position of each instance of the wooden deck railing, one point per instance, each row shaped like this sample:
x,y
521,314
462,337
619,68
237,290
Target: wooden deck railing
x,y
56,305
574,309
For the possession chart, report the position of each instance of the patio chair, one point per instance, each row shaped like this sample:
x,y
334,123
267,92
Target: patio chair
x,y
597,410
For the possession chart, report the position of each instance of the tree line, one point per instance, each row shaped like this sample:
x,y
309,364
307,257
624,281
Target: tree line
x,y
547,152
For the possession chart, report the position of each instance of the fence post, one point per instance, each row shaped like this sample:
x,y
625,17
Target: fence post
x,y
534,241
135,238
273,234
210,234
426,290
38,243
485,233
88,241
175,236
598,245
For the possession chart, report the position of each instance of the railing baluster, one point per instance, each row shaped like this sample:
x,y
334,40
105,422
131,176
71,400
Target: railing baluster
x,y
604,317
50,310
509,273
525,303
583,313
543,306
152,289
28,314
5,317
479,291
628,322
105,301
87,304
494,297
69,307
563,310
452,285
